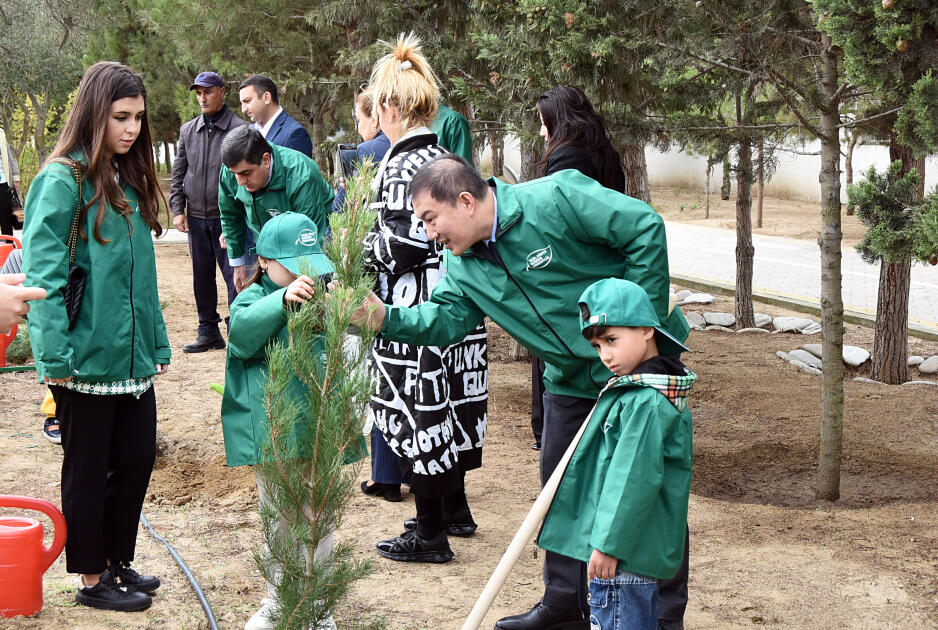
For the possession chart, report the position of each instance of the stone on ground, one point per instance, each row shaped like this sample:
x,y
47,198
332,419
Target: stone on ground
x,y
855,356
929,366
805,357
697,298
683,294
696,320
762,319
812,329
915,360
791,324
719,319
813,348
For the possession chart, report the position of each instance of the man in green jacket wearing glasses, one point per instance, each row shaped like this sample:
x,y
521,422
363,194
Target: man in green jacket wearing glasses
x,y
522,255
258,181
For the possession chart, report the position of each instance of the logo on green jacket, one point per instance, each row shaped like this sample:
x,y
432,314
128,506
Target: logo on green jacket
x,y
540,258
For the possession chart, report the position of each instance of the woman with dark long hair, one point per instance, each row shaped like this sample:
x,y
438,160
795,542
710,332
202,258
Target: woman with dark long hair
x,y
100,353
575,138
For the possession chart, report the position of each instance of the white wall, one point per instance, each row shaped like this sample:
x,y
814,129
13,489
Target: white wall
x,y
795,178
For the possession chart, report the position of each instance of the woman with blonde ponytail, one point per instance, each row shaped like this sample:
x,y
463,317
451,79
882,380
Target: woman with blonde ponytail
x,y
430,403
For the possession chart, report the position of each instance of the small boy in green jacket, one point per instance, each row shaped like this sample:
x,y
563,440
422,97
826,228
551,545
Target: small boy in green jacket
x,y
622,503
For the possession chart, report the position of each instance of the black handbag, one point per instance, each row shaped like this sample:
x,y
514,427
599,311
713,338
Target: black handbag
x,y
75,285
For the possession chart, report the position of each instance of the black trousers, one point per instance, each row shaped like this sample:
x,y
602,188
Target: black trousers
x,y
434,512
565,584
537,398
206,254
110,447
7,221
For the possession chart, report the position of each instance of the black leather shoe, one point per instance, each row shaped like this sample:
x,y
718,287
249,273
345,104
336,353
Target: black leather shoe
x,y
387,491
410,547
106,595
205,343
544,617
122,575
453,529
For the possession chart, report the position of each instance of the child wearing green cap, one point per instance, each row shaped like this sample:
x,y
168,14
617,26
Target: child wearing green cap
x,y
287,243
622,503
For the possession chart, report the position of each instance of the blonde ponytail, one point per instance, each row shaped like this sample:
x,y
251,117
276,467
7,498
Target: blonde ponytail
x,y
403,79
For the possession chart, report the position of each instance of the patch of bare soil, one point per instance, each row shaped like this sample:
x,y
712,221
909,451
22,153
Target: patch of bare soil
x,y
764,552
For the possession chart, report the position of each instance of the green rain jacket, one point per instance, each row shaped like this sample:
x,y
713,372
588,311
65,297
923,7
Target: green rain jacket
x,y
452,132
626,488
296,185
258,319
556,236
120,332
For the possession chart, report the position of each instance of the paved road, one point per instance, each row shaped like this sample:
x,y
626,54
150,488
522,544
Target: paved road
x,y
792,268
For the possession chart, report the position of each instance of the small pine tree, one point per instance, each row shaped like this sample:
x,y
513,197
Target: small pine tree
x,y
316,396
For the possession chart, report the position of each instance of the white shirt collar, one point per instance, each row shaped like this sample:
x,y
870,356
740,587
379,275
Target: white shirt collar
x,y
265,129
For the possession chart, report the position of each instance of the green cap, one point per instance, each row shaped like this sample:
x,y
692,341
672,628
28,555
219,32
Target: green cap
x,y
292,240
617,302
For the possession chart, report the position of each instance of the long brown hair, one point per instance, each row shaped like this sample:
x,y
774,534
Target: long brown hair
x,y
86,129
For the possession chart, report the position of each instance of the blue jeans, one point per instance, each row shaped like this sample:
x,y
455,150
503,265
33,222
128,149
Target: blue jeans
x,y
626,602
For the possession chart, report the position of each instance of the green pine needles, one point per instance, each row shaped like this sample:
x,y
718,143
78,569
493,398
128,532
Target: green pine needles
x,y
316,403
900,224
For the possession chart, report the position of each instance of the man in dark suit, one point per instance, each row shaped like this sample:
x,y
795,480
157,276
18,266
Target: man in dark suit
x,y
258,96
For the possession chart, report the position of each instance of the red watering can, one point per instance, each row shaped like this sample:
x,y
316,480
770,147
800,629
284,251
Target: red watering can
x,y
23,557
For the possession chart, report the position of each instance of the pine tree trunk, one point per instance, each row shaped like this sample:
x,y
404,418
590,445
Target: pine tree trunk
x,y
709,171
166,160
761,196
891,339
530,154
497,142
636,171
156,157
848,164
517,352
744,248
726,188
832,304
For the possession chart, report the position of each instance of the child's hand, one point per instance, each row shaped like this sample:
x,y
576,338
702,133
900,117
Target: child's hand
x,y
601,566
300,290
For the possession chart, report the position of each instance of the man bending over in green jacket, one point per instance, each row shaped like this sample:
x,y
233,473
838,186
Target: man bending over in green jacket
x,y
258,181
522,255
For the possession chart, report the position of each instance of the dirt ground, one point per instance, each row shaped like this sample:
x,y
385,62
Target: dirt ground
x,y
764,551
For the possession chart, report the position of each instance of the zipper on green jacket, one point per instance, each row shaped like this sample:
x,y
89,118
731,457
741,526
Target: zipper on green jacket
x,y
133,314
498,259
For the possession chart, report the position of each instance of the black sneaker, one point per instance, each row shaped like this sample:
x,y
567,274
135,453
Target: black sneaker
x,y
122,575
106,595
410,547
205,343
461,529
51,431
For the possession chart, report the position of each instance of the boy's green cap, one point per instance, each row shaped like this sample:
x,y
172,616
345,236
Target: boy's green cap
x,y
292,240
617,302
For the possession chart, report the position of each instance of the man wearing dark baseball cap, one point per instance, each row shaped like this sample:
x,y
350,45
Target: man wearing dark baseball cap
x,y
208,80
193,199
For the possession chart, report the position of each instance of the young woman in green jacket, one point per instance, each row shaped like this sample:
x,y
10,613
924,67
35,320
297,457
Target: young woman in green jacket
x,y
101,366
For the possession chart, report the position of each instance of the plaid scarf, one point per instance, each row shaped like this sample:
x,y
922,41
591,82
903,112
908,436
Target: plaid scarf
x,y
675,388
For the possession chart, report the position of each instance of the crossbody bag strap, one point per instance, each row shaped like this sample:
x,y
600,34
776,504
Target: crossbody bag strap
x,y
73,232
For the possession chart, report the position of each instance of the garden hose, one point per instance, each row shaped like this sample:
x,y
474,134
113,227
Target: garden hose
x,y
182,565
